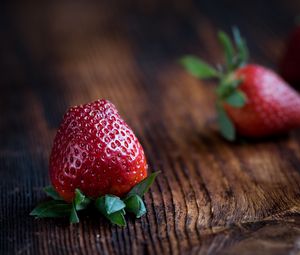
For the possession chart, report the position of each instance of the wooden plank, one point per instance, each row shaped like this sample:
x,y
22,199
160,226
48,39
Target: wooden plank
x,y
212,197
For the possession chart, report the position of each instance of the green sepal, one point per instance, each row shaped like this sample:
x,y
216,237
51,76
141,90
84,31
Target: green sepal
x,y
80,201
226,126
198,67
112,208
51,192
110,204
59,208
52,209
113,204
236,56
228,92
226,88
228,49
73,214
117,218
242,50
141,188
135,205
236,99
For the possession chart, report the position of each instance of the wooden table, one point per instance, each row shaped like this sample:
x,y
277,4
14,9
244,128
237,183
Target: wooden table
x,y
212,197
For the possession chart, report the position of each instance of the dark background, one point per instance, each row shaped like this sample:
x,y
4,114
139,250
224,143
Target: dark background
x,y
60,53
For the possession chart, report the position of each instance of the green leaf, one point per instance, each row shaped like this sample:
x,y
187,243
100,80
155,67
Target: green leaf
x,y
198,68
52,209
226,126
227,86
135,204
109,204
236,83
228,49
236,99
224,90
116,217
243,53
113,204
142,209
73,214
100,204
51,192
142,187
80,201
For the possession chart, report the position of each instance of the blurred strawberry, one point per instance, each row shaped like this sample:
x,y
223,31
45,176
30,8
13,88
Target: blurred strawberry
x,y
252,100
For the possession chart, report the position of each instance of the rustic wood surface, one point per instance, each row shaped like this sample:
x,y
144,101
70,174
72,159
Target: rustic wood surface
x,y
212,197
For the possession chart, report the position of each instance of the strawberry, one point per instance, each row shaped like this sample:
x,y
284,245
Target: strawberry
x,y
95,150
289,66
252,100
96,155
272,105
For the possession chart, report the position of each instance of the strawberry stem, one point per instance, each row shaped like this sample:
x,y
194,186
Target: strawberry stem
x,y
110,206
236,56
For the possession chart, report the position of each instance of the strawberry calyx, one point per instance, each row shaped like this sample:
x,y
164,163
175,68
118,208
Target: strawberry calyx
x,y
228,92
110,206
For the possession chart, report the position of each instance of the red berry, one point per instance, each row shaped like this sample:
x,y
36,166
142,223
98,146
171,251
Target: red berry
x,y
290,63
272,106
95,151
251,100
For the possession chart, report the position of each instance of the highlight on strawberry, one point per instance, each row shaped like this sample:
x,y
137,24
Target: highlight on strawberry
x,y
96,160
252,101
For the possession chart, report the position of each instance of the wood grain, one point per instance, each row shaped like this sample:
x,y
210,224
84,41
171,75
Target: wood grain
x,y
212,197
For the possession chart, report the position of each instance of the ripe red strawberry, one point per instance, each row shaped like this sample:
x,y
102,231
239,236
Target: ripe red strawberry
x,y
272,106
96,152
251,100
290,63
96,158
